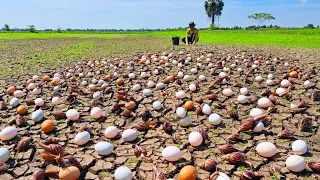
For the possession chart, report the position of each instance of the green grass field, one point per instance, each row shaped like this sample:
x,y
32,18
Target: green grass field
x,y
284,37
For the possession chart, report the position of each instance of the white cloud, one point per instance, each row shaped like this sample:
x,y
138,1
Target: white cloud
x,y
303,1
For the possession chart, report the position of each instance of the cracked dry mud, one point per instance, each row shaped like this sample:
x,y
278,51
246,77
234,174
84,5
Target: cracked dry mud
x,y
23,164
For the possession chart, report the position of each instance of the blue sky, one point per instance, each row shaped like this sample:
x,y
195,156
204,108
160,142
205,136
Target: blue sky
x,y
135,14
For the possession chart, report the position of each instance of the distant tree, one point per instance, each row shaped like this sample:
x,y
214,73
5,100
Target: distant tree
x,y
59,30
213,10
261,17
318,26
32,28
6,27
310,26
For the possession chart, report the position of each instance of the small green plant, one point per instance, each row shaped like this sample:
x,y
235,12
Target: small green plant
x,y
133,160
243,168
61,120
103,174
208,152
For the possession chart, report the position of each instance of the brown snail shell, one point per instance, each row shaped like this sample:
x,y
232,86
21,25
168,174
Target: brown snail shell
x,y
236,137
24,144
158,175
29,102
176,138
245,175
59,115
246,125
234,158
38,174
138,150
50,140
228,148
127,113
315,166
273,170
167,127
208,165
285,134
54,149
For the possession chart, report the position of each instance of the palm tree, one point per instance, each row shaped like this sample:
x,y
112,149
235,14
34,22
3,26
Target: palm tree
x,y
6,27
213,9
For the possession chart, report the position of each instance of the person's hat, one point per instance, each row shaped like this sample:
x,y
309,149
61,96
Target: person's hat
x,y
192,24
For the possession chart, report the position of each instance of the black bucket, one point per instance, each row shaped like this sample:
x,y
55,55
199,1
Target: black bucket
x,y
175,40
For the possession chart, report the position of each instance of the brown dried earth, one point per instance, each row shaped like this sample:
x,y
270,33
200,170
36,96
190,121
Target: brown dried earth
x,y
23,164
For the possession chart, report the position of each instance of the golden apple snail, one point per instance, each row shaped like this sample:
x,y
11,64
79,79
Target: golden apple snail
x,y
123,173
111,132
103,148
171,153
266,149
296,163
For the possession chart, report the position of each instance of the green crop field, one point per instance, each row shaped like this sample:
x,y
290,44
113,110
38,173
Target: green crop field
x,y
283,37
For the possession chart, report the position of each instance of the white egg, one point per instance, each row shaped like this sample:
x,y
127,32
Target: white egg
x,y
147,92
239,69
123,173
103,148
233,65
186,121
131,75
296,163
266,149
227,92
215,119
18,93
299,146
280,90
8,133
160,85
39,102
111,132
55,100
180,74
84,83
258,78
242,99
206,109
264,102
244,91
72,114
82,138
96,112
180,94
187,78
97,95
14,102
143,74
269,82
36,91
151,84
157,105
256,112
37,115
35,77
286,64
195,139
171,153
270,76
129,135
222,176
192,87
181,112
180,65
308,84
193,71
285,83
94,81
4,155
202,77
259,127
31,86
223,74
136,87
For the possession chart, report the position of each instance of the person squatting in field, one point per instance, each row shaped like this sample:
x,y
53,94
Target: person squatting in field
x,y
192,35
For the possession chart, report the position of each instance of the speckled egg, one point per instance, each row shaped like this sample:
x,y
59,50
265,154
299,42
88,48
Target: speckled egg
x,y
37,115
72,114
8,133
171,153
123,173
103,148
96,112
111,132
14,102
296,163
299,146
4,155
82,138
266,149
195,139
129,135
147,92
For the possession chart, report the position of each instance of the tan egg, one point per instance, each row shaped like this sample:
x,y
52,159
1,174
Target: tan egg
x,y
188,173
21,109
11,90
47,126
69,173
